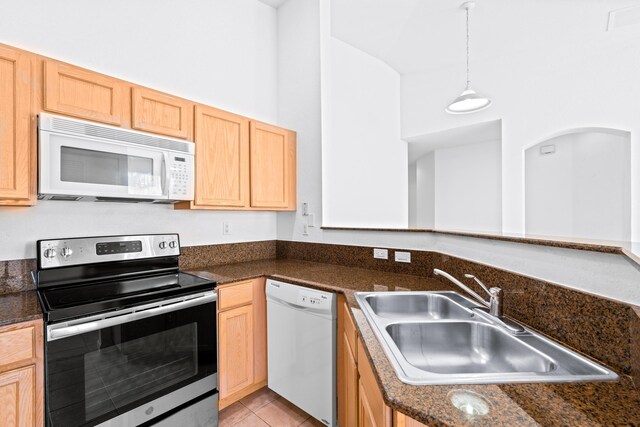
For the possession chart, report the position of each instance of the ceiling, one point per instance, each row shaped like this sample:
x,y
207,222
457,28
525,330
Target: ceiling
x,y
419,35
273,3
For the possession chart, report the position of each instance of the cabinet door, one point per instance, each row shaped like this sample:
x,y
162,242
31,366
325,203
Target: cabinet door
x,y
222,158
235,338
157,112
273,167
366,414
17,397
401,420
350,385
372,411
15,144
82,93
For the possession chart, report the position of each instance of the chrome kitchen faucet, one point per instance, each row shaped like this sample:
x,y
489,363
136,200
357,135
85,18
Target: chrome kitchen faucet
x,y
494,304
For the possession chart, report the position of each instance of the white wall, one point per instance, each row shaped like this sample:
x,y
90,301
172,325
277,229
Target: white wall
x,y
299,106
304,36
219,52
582,189
468,189
538,94
365,161
426,191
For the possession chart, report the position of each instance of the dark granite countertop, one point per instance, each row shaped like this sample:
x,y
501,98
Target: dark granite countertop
x,y
19,307
566,404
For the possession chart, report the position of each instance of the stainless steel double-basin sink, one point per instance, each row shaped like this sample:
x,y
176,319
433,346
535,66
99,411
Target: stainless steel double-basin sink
x,y
436,338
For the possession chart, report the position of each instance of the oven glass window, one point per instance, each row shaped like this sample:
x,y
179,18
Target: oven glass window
x,y
98,375
100,167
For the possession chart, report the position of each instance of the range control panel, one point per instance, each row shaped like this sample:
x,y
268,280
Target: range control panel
x,y
106,248
88,250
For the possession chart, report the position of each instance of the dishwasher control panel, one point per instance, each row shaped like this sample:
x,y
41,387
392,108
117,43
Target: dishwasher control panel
x,y
313,299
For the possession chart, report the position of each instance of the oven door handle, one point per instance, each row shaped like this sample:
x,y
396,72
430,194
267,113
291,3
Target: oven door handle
x,y
59,331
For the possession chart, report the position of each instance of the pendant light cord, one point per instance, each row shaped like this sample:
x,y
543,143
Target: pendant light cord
x,y
468,80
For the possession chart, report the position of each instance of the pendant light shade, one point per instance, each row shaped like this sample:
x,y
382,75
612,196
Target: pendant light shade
x,y
468,101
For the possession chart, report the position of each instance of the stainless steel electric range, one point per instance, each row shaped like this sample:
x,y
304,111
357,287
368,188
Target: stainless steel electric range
x,y
130,340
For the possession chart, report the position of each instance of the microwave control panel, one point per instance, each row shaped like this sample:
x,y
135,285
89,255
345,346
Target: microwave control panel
x,y
181,172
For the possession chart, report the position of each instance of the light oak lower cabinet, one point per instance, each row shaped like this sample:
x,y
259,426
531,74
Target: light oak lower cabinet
x,y
372,410
360,402
347,367
17,171
21,375
401,420
236,349
242,339
17,397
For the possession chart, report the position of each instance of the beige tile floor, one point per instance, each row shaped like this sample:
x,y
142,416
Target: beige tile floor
x,y
265,408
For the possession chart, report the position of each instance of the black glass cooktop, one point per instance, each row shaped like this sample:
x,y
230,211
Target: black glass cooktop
x,y
65,302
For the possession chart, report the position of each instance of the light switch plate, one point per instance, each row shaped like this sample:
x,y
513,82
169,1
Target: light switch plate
x,y
381,253
403,256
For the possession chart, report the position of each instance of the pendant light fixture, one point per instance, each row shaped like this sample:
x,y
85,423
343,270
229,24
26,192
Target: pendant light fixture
x,y
468,101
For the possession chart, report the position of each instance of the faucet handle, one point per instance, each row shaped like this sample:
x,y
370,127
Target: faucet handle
x,y
471,276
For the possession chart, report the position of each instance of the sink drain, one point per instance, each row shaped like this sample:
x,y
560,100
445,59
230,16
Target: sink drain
x,y
470,403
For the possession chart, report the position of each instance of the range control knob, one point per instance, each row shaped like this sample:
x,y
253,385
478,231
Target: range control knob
x,y
173,244
50,253
163,245
66,252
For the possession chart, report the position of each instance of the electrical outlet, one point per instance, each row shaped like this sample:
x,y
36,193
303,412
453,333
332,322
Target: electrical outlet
x,y
305,208
226,228
403,256
381,253
305,229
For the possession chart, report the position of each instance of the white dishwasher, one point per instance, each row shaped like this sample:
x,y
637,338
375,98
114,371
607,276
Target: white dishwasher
x,y
301,332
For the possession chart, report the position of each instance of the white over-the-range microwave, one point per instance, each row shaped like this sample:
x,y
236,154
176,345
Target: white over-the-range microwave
x,y
81,160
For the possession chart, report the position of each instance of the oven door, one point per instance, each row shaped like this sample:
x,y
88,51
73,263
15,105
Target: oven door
x,y
81,166
134,366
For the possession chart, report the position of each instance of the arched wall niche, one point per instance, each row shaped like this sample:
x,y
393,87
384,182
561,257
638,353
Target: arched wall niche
x,y
578,184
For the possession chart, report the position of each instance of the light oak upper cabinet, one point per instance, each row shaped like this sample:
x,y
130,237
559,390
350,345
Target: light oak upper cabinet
x,y
222,159
153,111
273,167
16,150
84,94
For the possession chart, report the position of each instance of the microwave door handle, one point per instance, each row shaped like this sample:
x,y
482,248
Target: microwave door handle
x,y
164,178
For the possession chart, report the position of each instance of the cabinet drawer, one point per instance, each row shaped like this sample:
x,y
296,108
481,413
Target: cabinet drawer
x,y
350,331
17,346
235,295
